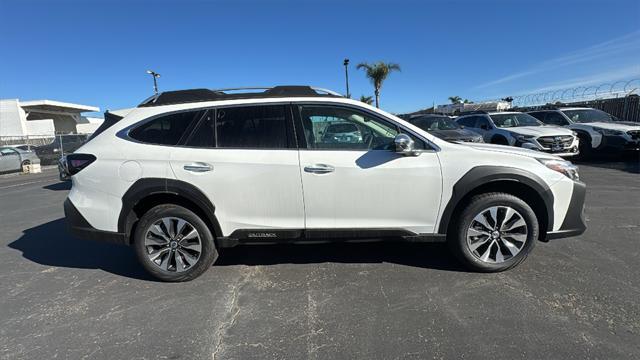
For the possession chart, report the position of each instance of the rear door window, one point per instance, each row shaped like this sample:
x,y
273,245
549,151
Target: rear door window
x,y
203,134
253,127
553,118
482,123
469,121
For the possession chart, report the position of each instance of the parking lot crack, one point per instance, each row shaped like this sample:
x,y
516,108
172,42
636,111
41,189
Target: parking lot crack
x,y
234,311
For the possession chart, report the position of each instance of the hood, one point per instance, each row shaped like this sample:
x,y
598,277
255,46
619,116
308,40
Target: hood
x,y
457,134
511,150
539,130
622,126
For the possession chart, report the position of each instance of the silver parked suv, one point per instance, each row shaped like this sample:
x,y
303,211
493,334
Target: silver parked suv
x,y
522,130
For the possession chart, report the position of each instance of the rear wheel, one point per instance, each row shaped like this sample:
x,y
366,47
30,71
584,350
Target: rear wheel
x,y
495,232
173,244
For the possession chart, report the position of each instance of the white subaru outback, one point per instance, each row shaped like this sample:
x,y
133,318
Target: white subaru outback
x,y
187,173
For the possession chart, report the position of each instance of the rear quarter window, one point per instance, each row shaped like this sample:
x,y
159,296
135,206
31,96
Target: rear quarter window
x,y
167,129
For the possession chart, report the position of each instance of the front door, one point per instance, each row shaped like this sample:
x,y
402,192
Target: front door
x,y
245,160
9,160
352,179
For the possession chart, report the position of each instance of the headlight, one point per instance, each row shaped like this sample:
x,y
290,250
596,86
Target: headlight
x,y
564,167
609,132
524,137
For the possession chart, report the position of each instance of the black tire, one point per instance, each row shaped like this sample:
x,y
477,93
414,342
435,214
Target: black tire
x,y
457,237
26,162
499,140
208,254
584,146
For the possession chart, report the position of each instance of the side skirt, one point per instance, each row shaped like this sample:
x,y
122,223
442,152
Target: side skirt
x,y
319,236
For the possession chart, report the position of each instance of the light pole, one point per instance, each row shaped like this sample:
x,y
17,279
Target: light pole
x,y
155,81
346,75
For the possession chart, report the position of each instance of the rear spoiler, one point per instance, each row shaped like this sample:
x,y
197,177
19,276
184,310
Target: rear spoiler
x,y
109,120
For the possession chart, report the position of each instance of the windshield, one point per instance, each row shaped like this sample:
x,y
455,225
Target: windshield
x,y
514,120
587,115
341,128
435,123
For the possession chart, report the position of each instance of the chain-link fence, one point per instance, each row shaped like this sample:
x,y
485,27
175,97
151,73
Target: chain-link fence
x,y
48,148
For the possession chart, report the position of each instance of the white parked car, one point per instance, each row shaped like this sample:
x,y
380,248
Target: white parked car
x,y
597,130
189,172
522,130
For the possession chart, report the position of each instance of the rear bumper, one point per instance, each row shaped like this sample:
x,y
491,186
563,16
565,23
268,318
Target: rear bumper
x,y
573,224
80,227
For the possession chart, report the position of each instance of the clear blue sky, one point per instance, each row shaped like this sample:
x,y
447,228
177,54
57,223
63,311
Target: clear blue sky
x,y
96,52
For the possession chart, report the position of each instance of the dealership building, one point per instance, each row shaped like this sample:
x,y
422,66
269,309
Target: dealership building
x,y
45,118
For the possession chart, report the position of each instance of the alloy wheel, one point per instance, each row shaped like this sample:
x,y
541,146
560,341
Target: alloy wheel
x,y
497,234
173,244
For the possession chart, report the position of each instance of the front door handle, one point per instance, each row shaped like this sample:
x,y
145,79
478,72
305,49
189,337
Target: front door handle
x,y
319,169
198,167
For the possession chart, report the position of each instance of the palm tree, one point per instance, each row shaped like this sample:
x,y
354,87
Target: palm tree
x,y
455,99
366,99
377,73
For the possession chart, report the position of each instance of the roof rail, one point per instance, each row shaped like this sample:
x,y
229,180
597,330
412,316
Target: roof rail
x,y
198,95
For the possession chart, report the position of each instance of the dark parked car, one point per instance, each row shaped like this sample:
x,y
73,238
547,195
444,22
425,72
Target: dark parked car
x,y
50,153
445,128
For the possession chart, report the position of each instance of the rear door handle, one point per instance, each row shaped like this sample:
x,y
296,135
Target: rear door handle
x,y
198,167
319,169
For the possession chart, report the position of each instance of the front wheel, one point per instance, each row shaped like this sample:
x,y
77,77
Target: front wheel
x,y
584,147
495,232
173,244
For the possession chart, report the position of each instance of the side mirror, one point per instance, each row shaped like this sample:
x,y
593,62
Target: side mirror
x,y
404,145
484,127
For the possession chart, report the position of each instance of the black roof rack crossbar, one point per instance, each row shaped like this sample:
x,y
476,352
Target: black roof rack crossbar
x,y
198,95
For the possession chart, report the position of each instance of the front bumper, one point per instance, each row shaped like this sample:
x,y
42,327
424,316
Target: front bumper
x,y
573,224
562,150
80,227
618,143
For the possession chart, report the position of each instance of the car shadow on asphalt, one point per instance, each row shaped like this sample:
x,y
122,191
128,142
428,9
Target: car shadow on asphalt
x,y
59,186
423,255
51,244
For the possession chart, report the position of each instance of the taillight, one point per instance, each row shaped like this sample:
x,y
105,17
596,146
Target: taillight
x,y
73,163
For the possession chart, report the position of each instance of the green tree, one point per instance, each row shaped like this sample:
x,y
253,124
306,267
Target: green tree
x,y
455,99
378,73
367,99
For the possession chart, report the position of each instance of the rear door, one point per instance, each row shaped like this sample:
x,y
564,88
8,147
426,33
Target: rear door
x,y
244,158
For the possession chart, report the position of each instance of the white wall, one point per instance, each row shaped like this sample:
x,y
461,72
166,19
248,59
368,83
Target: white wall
x,y
43,128
12,118
87,125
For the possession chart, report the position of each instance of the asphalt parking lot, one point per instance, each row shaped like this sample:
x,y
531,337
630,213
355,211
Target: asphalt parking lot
x,y
573,298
